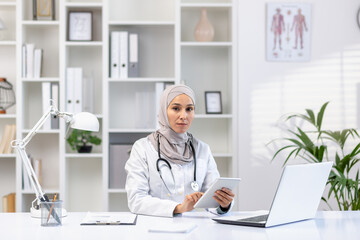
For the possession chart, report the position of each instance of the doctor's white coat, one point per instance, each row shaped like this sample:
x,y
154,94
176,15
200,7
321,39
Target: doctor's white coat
x,y
147,193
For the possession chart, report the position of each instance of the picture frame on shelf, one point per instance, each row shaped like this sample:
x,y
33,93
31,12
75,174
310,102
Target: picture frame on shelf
x,y
44,9
213,104
80,26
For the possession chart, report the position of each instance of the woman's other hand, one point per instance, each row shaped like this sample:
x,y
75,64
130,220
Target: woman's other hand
x,y
224,197
188,203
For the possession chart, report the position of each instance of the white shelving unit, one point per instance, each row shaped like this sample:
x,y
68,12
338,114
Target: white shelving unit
x,y
8,69
168,54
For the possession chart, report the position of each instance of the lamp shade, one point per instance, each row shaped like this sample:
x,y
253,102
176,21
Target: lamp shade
x,y
7,95
85,121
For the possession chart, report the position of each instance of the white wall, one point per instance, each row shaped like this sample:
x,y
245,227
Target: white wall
x,y
268,90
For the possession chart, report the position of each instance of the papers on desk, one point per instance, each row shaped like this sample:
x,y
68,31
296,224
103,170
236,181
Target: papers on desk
x,y
173,228
109,218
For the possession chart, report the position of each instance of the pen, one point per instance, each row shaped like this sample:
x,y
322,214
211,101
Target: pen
x,y
52,206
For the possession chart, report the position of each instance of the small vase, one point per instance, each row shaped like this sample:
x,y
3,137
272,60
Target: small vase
x,y
204,31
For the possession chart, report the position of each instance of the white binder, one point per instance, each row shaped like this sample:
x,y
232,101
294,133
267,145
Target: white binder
x,y
115,55
74,89
124,54
30,60
133,55
46,91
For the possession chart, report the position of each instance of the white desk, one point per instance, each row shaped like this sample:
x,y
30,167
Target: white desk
x,y
327,225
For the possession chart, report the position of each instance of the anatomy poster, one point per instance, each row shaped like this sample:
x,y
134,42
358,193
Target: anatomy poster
x,y
288,31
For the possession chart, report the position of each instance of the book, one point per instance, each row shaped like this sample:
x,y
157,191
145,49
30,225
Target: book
x,y
109,218
133,55
23,61
36,164
118,155
8,203
12,135
4,138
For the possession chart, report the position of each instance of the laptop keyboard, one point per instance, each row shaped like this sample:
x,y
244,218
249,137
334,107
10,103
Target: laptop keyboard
x,y
260,218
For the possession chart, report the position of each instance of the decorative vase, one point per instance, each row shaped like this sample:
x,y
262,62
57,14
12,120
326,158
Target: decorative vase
x,y
204,31
84,149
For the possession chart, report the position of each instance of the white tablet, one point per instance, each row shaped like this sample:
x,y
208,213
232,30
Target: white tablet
x,y
207,200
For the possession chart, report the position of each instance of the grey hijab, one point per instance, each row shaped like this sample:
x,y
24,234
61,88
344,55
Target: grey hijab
x,y
175,147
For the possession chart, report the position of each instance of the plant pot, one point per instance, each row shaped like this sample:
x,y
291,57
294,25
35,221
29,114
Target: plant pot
x,y
84,149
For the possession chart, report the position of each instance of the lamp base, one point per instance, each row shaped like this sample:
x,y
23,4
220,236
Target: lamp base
x,y
36,213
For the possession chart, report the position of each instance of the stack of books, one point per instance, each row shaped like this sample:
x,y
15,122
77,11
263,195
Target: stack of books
x,y
8,203
31,61
9,134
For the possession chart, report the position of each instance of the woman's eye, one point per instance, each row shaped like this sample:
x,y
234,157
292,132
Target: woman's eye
x,y
189,109
176,108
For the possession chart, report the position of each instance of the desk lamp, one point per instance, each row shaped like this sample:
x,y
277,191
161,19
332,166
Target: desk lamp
x,y
82,121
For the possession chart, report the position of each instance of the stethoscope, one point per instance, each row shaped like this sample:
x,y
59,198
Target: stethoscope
x,y
194,185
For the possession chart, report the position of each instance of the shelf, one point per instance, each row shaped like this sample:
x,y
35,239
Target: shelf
x,y
40,23
222,155
53,131
122,130
46,191
83,5
206,5
7,43
139,80
213,116
116,190
84,155
8,4
10,155
41,79
141,23
206,44
84,43
8,116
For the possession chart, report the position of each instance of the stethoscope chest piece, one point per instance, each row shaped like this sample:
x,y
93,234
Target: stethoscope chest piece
x,y
194,186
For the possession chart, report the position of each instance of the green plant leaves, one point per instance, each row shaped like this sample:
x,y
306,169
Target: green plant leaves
x,y
343,187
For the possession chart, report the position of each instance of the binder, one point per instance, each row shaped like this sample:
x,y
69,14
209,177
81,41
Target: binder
x,y
4,138
119,154
78,88
55,98
37,62
124,54
74,90
159,88
46,103
115,55
69,90
23,61
88,94
30,60
12,135
133,55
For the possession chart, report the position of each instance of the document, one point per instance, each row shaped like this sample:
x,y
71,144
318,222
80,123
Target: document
x,y
109,218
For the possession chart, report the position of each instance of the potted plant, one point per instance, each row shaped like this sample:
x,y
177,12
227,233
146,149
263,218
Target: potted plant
x,y
80,140
317,145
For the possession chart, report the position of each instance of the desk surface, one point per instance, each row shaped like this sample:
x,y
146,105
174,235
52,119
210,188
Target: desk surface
x,y
327,225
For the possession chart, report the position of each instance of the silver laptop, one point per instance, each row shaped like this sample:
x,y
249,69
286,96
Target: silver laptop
x,y
297,197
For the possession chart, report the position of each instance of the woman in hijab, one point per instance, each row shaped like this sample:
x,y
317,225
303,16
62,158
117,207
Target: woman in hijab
x,y
163,177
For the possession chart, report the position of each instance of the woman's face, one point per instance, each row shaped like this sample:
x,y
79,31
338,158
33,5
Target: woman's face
x,y
180,113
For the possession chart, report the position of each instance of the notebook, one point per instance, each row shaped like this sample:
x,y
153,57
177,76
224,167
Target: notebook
x,y
297,197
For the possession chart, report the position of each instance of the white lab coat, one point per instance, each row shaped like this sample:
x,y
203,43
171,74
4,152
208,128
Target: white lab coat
x,y
147,193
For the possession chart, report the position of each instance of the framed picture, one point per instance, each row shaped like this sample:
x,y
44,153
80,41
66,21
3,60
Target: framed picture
x,y
80,26
44,9
288,32
213,103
